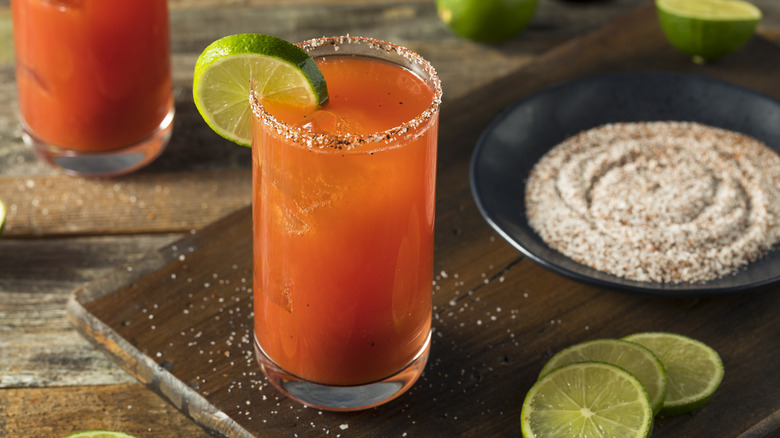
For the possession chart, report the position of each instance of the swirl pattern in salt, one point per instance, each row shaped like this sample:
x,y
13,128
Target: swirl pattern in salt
x,y
666,202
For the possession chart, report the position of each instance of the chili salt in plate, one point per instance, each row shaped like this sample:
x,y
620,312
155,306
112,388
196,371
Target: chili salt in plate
x,y
513,143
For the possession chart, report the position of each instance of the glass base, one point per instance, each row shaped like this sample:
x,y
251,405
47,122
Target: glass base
x,y
103,164
344,398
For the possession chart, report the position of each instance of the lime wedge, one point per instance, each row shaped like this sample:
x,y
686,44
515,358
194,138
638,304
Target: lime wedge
x,y
693,369
99,434
587,399
231,67
2,217
630,356
707,30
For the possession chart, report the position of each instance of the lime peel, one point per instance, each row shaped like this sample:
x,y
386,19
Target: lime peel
x,y
233,67
486,21
694,369
708,30
691,369
579,397
633,357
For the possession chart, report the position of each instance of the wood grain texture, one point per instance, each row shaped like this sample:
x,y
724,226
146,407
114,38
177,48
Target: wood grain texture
x,y
160,203
45,207
52,381
184,328
56,412
38,346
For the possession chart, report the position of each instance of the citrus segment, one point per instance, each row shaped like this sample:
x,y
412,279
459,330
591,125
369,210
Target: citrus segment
x,y
694,370
587,399
630,356
232,67
711,9
99,434
707,29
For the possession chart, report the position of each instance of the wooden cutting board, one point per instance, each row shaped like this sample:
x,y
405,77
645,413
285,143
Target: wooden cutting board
x,y
180,320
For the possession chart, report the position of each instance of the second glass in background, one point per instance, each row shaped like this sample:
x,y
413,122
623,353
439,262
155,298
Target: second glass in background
x,y
94,82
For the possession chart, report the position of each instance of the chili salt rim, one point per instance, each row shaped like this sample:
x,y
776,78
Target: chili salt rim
x,y
353,141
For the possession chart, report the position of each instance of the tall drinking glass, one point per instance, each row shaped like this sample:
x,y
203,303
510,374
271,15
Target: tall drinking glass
x,y
94,82
343,228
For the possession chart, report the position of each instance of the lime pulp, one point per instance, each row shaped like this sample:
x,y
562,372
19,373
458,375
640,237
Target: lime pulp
x,y
694,370
233,67
708,30
587,399
632,357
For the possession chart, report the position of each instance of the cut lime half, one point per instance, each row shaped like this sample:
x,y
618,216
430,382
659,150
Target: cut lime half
x,y
694,370
587,399
707,29
230,68
634,358
99,434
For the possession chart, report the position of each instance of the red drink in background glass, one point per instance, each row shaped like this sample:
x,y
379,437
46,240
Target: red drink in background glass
x,y
94,81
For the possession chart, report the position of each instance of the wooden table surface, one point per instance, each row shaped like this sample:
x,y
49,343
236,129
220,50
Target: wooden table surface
x,y
63,232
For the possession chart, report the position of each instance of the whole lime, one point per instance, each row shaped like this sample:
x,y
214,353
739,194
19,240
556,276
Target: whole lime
x,y
486,21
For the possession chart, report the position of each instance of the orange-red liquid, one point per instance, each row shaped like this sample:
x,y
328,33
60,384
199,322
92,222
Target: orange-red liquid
x,y
92,75
343,239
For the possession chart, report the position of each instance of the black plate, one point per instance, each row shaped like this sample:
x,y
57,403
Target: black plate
x,y
508,149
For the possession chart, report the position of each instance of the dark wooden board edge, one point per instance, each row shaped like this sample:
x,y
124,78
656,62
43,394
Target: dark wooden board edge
x,y
133,360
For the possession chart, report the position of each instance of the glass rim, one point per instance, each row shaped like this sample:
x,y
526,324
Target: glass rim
x,y
349,141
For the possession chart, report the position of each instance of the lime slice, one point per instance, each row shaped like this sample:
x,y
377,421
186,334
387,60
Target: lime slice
x,y
693,369
487,21
587,399
230,67
2,217
630,356
707,29
99,434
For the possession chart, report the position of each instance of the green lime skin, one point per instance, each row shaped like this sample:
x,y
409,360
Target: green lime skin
x,y
486,21
632,357
259,44
694,370
233,67
587,399
706,39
